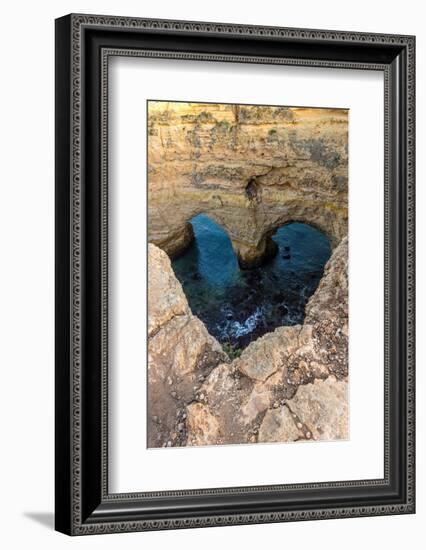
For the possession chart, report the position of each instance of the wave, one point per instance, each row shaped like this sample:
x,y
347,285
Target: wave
x,y
235,329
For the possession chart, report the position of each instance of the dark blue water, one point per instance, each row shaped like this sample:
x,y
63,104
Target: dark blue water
x,y
238,306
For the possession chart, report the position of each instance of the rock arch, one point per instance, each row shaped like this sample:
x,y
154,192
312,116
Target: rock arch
x,y
251,170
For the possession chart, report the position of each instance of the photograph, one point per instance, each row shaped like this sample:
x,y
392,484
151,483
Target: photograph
x,y
234,271
247,281
210,299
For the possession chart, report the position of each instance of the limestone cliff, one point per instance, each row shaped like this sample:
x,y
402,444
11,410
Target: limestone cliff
x,y
288,385
252,169
181,353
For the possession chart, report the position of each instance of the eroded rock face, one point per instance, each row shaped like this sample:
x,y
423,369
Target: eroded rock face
x,y
181,353
287,385
279,425
251,169
202,425
323,406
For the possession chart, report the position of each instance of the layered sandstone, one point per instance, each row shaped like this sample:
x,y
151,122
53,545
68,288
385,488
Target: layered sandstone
x,y
288,385
251,169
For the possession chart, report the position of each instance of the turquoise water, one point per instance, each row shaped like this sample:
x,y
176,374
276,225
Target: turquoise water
x,y
238,306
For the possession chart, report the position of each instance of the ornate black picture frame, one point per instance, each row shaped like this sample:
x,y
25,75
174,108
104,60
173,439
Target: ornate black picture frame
x,y
83,45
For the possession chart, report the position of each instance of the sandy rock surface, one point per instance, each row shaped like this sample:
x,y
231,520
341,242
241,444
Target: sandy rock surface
x,y
252,169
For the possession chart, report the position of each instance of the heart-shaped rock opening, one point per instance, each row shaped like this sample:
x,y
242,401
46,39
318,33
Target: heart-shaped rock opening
x,y
288,385
239,305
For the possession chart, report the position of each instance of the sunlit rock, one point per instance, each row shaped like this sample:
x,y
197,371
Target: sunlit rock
x,y
250,168
197,396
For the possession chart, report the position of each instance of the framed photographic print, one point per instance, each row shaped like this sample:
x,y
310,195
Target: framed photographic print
x,y
234,274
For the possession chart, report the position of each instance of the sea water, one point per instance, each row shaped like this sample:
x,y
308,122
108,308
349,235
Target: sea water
x,y
236,305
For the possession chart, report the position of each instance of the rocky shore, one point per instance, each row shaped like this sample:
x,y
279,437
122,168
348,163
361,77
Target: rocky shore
x,y
288,385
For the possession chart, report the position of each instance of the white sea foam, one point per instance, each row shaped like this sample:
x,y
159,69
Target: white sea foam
x,y
237,329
